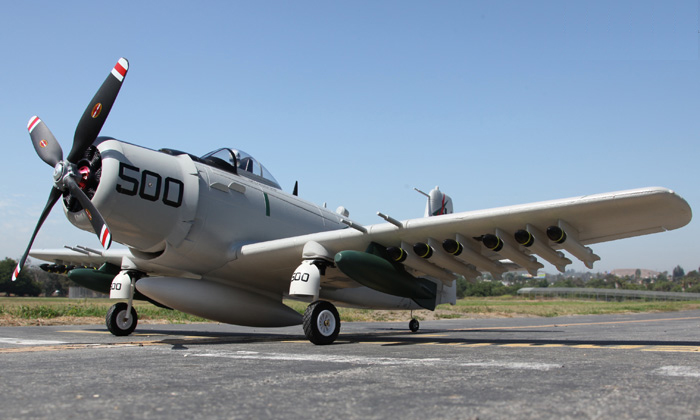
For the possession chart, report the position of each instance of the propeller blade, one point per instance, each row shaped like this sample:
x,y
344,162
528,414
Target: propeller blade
x,y
44,142
53,197
99,226
96,113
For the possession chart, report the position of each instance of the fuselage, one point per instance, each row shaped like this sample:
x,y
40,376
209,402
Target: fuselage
x,y
191,214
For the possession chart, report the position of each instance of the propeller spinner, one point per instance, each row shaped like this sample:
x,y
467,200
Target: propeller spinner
x,y
66,175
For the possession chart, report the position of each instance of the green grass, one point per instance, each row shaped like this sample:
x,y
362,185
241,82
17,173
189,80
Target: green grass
x,y
516,306
46,309
52,308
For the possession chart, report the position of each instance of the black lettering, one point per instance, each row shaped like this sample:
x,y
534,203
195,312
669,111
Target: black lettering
x,y
126,189
150,185
146,184
167,193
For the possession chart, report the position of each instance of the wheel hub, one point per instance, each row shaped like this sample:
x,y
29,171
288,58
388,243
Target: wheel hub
x,y
123,321
326,323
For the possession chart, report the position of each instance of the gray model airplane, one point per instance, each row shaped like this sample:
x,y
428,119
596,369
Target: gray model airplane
x,y
215,236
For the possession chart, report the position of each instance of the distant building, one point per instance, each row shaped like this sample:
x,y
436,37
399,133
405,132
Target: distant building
x,y
76,292
632,273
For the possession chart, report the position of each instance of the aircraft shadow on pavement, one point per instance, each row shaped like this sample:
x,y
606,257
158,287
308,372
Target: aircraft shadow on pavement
x,y
428,337
182,339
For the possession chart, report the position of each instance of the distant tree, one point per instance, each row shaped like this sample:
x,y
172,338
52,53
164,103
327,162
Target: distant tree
x,y
23,286
51,284
569,282
690,280
663,286
462,285
661,277
678,272
481,289
597,283
538,283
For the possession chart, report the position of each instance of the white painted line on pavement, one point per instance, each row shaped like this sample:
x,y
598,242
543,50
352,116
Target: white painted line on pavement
x,y
23,342
684,371
385,361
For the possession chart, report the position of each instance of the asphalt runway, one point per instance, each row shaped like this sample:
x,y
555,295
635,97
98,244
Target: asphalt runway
x,y
621,366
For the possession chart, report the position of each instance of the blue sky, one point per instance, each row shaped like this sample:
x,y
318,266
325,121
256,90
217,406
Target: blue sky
x,y
497,102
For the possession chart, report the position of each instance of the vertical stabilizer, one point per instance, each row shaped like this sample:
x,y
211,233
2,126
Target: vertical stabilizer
x,y
438,202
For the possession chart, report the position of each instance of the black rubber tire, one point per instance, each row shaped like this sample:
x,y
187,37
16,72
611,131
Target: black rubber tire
x,y
321,322
115,320
414,325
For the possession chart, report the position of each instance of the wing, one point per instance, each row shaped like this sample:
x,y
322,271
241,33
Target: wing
x,y
81,256
86,257
487,238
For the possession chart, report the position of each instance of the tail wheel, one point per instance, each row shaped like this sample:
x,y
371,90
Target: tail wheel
x,y
117,321
321,322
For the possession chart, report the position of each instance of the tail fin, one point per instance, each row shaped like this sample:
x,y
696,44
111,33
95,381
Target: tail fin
x,y
438,202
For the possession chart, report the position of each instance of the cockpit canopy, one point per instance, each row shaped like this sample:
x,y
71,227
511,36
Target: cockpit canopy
x,y
241,163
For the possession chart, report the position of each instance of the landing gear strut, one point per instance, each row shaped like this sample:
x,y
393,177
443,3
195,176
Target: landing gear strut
x,y
321,322
121,318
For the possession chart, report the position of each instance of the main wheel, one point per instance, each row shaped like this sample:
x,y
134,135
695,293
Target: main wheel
x,y
117,322
414,325
321,322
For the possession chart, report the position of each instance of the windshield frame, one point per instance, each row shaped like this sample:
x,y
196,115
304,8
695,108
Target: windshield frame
x,y
241,163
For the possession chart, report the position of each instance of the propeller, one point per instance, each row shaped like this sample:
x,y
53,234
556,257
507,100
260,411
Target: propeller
x,y
66,175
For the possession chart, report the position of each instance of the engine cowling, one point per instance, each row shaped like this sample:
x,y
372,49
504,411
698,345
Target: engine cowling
x,y
147,198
